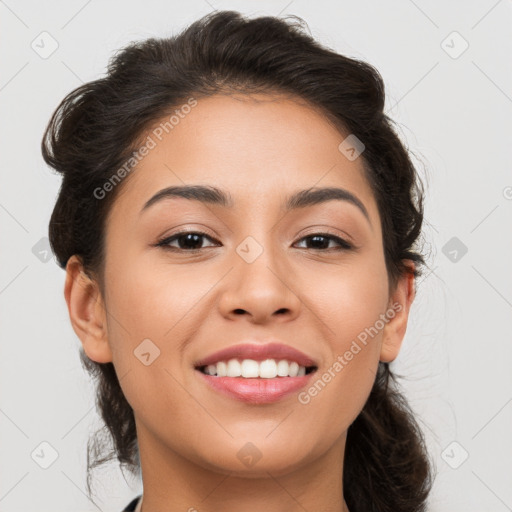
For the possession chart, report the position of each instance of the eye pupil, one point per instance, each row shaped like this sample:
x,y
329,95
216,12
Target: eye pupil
x,y
190,237
322,244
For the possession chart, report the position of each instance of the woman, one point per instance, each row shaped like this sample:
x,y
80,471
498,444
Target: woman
x,y
238,224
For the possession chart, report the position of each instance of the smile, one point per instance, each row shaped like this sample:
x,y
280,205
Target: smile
x,y
241,383
256,373
249,368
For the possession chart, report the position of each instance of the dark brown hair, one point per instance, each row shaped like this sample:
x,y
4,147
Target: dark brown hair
x,y
99,125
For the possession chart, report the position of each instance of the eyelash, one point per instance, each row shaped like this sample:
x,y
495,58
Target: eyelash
x,y
164,243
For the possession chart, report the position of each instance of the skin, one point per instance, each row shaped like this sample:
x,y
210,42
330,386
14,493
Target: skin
x,y
261,149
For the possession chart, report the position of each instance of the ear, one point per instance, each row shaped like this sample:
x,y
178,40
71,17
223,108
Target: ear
x,y
400,302
87,311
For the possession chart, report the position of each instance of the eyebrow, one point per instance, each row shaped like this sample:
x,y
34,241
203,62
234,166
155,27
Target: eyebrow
x,y
215,196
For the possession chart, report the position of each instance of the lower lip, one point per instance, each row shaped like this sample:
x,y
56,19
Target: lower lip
x,y
256,390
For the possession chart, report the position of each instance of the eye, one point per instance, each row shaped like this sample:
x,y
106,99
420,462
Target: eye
x,y
186,241
320,241
192,241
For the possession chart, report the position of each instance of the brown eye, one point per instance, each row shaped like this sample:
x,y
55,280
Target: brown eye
x,y
321,241
186,241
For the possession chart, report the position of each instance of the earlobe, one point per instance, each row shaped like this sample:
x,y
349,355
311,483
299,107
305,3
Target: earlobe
x,y
400,303
86,311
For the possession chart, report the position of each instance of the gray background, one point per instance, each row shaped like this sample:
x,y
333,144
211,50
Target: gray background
x,y
454,108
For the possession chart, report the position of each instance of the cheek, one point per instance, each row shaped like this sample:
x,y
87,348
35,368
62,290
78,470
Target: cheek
x,y
156,303
348,299
164,306
360,305
349,304
148,317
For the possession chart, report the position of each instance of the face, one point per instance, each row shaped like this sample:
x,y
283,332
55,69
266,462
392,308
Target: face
x,y
311,277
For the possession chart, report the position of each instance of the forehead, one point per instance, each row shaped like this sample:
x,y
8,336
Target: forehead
x,y
259,147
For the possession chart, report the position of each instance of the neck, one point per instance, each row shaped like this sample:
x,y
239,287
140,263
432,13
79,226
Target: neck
x,y
172,482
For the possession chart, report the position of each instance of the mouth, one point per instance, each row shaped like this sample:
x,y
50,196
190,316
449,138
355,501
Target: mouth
x,y
252,369
256,382
256,373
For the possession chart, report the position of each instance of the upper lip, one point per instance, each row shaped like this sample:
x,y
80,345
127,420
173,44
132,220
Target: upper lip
x,y
258,352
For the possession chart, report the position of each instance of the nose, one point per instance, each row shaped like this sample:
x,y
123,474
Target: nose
x,y
262,291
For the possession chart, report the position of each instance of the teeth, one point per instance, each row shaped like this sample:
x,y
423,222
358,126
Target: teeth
x,y
234,368
248,368
282,368
267,369
222,369
293,370
211,369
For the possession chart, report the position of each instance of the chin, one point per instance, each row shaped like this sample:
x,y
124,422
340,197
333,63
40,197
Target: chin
x,y
256,459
